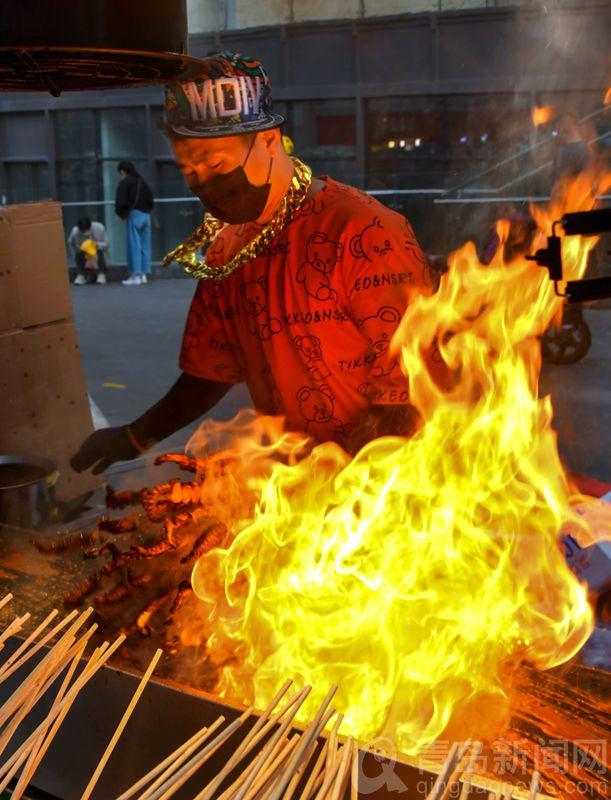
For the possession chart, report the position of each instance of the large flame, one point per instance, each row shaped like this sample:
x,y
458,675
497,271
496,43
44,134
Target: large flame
x,y
417,573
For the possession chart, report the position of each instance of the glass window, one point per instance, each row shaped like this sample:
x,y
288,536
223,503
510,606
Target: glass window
x,y
405,143
483,130
324,134
23,135
123,133
75,134
77,180
160,143
174,220
26,181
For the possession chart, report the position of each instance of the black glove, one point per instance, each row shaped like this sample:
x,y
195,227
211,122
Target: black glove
x,y
103,448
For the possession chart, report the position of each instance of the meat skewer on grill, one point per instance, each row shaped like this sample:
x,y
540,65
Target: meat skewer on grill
x,y
183,462
72,542
144,617
117,526
213,536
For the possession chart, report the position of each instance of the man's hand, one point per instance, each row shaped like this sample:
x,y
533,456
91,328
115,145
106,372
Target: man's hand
x,y
103,448
187,400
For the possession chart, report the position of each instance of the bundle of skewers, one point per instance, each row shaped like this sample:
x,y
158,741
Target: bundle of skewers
x,y
61,673
270,757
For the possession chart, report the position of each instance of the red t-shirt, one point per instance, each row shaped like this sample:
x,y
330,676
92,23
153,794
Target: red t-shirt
x,y
308,325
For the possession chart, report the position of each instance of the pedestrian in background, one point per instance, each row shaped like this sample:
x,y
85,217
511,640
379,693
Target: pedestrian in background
x,y
133,203
89,242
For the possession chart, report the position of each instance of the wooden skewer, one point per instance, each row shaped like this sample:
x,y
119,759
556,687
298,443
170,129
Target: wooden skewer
x,y
344,770
173,760
332,749
268,774
354,773
41,679
33,650
290,790
174,783
41,745
31,690
24,688
69,650
470,771
535,785
317,784
446,770
327,780
456,772
290,771
24,646
256,764
173,766
310,734
28,745
15,626
249,775
245,747
121,726
316,772
6,599
95,663
51,675
508,792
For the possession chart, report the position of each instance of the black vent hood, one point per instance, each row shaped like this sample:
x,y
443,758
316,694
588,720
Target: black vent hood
x,y
67,45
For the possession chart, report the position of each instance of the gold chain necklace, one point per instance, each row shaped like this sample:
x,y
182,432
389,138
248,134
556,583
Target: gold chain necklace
x,y
184,254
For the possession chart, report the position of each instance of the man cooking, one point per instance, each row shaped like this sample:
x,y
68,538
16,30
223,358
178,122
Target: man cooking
x,y
302,287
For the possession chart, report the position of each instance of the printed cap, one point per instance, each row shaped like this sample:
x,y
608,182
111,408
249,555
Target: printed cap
x,y
231,97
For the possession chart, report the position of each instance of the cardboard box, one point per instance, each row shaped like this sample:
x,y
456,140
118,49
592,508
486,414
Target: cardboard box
x,y
44,408
34,284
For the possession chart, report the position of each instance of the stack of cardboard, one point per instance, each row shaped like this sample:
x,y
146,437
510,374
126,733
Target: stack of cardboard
x,y
44,408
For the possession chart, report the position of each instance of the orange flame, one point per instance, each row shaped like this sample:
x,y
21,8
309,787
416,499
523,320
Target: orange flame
x,y
607,99
416,574
541,115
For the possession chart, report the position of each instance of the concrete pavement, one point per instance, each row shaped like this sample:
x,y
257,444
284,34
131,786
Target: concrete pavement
x,y
130,338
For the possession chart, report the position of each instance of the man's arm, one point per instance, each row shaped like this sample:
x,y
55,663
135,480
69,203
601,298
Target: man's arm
x,y
186,401
101,237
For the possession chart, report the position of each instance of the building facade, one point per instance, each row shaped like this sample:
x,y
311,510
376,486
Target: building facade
x,y
427,107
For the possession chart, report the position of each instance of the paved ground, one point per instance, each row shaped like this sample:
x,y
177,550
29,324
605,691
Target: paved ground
x,y
130,337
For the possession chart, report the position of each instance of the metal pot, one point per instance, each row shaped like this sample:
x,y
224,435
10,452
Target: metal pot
x,y
27,490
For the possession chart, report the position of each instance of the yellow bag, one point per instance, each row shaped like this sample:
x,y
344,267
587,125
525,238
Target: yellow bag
x,y
89,247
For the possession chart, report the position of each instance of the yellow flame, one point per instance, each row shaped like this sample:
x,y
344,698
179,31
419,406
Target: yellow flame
x,y
417,573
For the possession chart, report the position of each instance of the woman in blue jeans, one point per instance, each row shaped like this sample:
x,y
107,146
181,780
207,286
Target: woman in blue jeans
x,y
133,203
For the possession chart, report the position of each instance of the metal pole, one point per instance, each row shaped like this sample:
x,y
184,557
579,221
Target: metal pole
x,y
50,133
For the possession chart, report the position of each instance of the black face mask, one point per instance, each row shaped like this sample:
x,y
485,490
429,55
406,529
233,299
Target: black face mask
x,y
232,197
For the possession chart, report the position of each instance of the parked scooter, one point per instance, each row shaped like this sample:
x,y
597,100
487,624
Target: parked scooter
x,y
570,340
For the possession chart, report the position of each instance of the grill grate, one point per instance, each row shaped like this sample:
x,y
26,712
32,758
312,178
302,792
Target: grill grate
x,y
57,70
